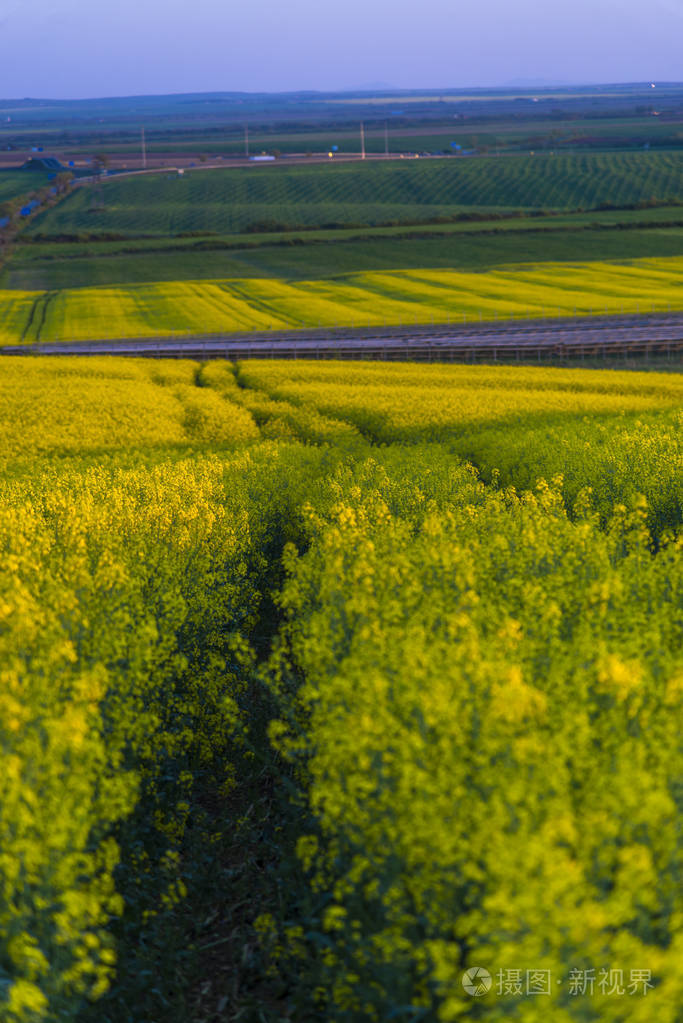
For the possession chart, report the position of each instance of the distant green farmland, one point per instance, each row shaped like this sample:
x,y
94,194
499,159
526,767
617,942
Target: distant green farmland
x,y
17,182
336,195
318,255
432,137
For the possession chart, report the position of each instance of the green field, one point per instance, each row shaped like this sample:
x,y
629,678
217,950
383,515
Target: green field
x,y
325,255
323,684
243,199
14,183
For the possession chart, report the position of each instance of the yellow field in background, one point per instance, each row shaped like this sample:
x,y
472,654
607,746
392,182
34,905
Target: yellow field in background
x,y
400,297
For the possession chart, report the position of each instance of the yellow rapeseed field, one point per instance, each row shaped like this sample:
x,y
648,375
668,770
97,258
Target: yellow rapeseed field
x,y
356,299
431,616
105,403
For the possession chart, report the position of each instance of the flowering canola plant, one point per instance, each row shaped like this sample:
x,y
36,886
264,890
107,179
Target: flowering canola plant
x,y
486,733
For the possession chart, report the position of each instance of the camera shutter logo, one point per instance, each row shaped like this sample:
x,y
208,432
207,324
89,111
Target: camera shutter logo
x,y
476,981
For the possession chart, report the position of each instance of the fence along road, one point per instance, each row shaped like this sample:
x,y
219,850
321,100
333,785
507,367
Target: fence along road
x,y
601,336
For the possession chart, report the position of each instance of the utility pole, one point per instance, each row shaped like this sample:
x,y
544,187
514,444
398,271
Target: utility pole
x,y
386,139
144,151
246,140
362,141
97,200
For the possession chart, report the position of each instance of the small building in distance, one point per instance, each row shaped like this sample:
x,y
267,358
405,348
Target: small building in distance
x,y
43,163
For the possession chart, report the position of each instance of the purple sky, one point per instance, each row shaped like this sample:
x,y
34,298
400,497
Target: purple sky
x,y
81,48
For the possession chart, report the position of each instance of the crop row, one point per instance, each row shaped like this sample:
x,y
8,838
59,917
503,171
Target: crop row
x,y
614,436
129,584
117,587
112,405
476,695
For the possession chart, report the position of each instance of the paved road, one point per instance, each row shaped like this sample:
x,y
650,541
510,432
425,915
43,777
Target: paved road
x,y
188,164
605,335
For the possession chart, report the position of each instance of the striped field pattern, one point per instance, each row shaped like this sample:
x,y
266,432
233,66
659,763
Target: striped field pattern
x,y
364,299
235,200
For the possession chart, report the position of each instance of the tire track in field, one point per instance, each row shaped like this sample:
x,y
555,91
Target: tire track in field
x,y
254,302
47,299
246,307
30,320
